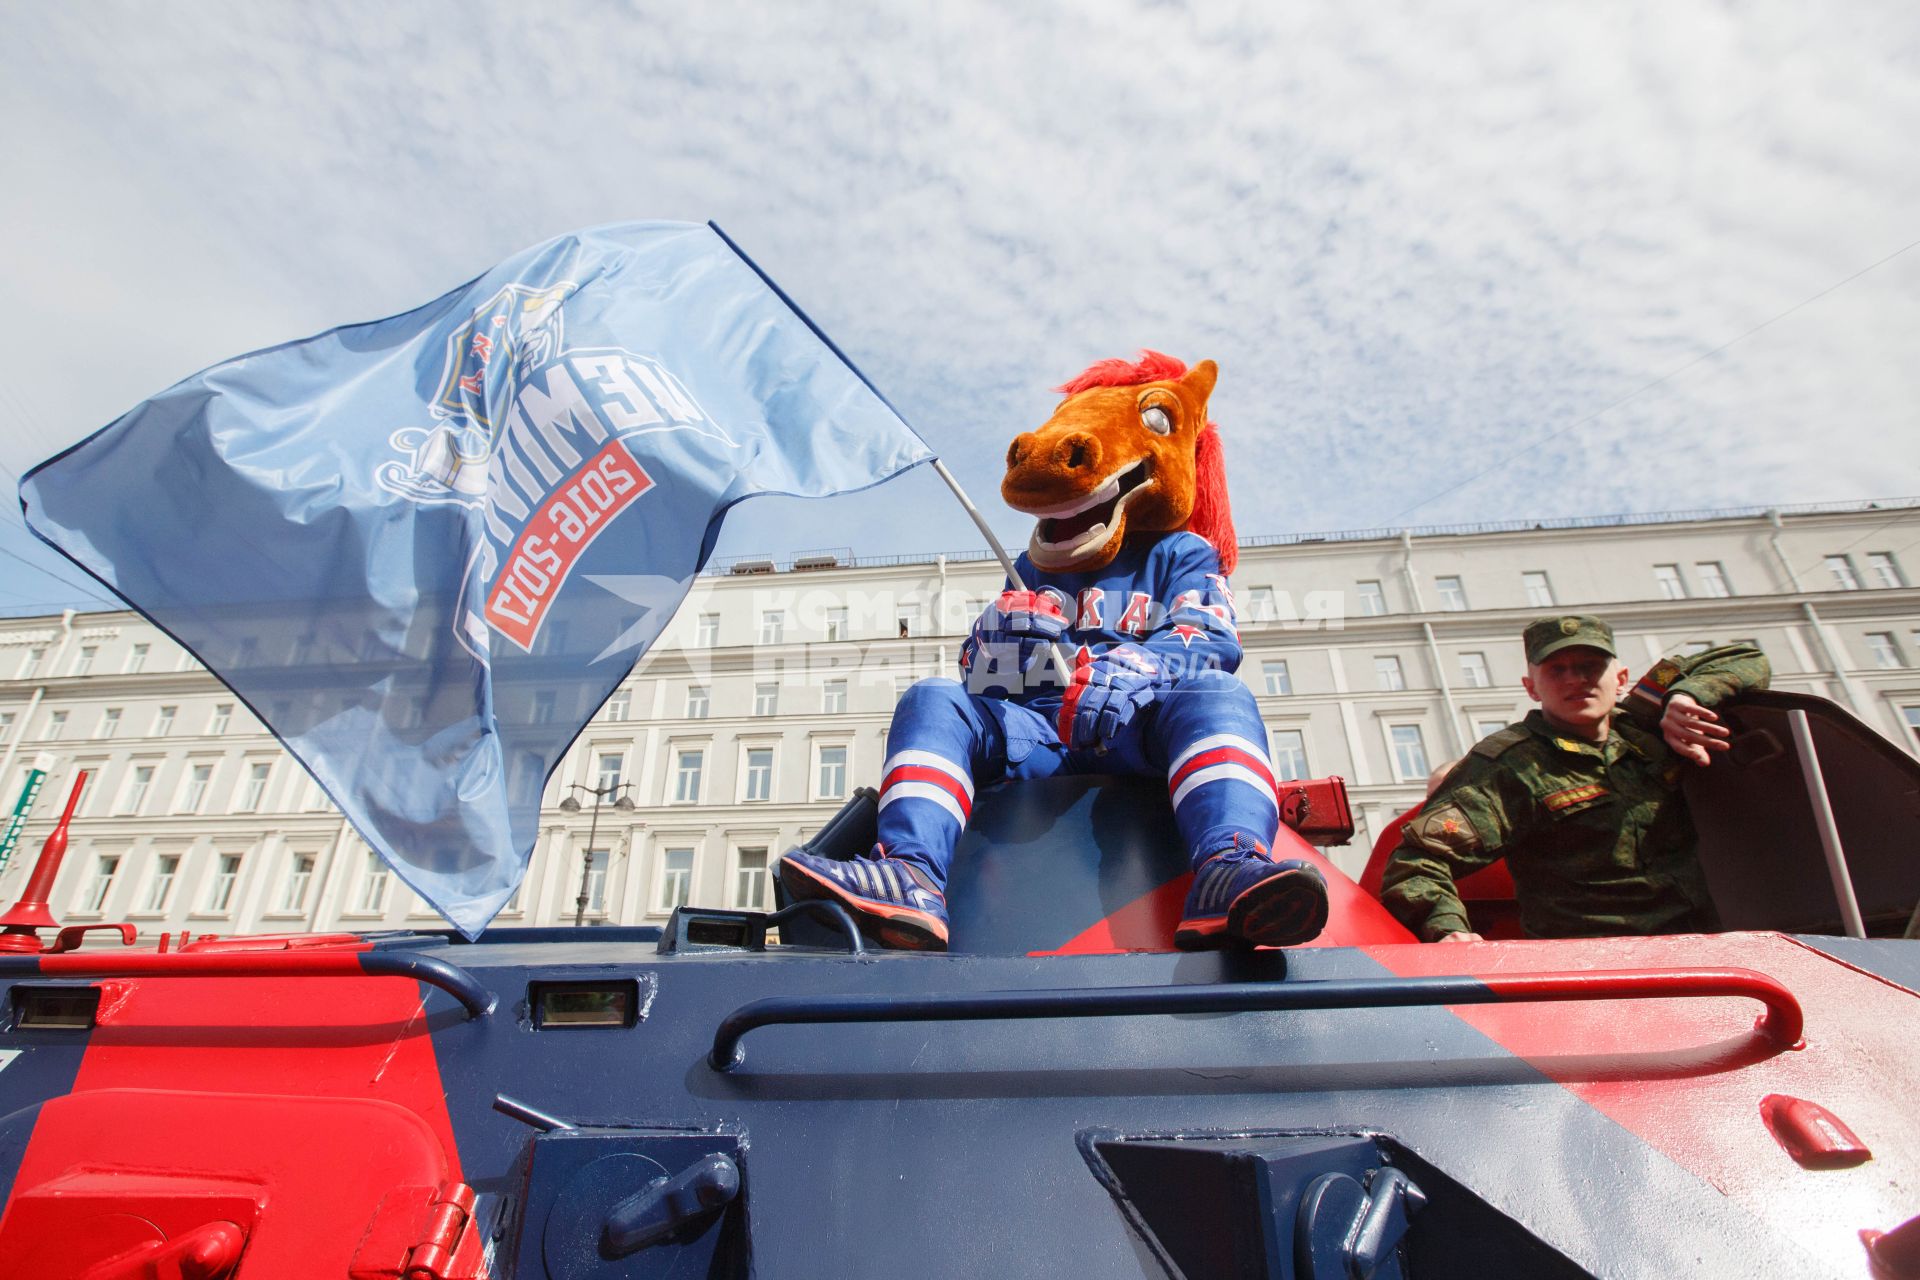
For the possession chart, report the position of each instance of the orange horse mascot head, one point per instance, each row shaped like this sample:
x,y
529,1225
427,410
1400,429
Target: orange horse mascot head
x,y
1128,454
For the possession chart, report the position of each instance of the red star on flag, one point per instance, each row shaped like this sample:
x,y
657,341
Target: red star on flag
x,y
1187,633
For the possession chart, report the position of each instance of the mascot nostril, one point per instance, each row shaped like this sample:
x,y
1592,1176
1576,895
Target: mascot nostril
x,y
1127,570
1077,453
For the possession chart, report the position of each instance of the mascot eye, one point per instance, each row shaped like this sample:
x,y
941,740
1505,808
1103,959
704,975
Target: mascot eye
x,y
1155,419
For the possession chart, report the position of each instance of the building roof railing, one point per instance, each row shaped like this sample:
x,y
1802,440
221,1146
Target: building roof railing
x,y
722,568
842,557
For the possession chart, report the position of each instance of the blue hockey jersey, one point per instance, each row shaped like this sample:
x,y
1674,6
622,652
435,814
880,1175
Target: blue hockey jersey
x,y
1167,596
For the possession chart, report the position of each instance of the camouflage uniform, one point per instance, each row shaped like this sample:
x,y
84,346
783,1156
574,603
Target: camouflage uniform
x,y
1597,835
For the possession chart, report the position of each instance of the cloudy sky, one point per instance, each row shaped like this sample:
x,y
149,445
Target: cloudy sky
x,y
1463,262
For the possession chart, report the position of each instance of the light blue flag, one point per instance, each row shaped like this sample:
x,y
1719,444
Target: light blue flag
x,y
425,550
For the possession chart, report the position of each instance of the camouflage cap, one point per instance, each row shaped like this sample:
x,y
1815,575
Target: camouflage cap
x,y
1549,636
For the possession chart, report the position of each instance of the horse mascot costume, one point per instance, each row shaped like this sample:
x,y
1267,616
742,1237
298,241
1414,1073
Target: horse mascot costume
x,y
1127,571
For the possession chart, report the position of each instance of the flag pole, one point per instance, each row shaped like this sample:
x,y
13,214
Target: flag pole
x,y
1060,667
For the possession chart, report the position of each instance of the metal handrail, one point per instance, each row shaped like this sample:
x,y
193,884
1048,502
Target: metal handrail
x,y
833,911
316,963
1782,1023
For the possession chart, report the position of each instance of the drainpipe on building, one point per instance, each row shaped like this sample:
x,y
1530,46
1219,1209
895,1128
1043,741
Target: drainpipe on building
x,y
24,725
1454,739
329,879
940,608
1828,649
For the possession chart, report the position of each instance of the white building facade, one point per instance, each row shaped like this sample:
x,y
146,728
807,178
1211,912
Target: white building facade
x,y
1376,656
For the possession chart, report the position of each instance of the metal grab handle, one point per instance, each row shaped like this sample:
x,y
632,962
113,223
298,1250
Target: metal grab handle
x,y
1782,1022
833,911
314,963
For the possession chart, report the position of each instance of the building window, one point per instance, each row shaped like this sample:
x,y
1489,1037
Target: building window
x,y
109,722
195,794
83,660
1483,729
293,896
56,725
1672,585
833,697
686,776
759,781
676,879
1843,575
255,795
1885,652
6,726
595,870
1539,590
93,898
163,721
1260,605
136,660
1692,647
1409,753
706,631
1882,571
766,699
220,892
1713,579
137,784
1274,672
833,773
1912,716
543,707
750,881
1473,670
773,627
620,704
375,877
1453,596
222,717
1289,755
836,624
697,702
1373,602
1387,673
30,665
611,764
160,890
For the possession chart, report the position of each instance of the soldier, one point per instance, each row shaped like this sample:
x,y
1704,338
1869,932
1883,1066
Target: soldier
x,y
1582,798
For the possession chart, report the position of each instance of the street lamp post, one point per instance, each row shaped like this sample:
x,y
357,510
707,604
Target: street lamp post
x,y
572,805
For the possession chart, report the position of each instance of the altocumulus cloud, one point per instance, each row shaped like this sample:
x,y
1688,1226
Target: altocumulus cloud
x,y
1416,241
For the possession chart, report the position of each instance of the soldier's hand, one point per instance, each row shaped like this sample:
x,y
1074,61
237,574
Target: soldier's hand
x,y
1461,935
1693,731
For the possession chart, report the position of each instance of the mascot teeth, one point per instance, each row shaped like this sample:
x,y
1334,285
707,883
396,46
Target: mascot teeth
x,y
1077,527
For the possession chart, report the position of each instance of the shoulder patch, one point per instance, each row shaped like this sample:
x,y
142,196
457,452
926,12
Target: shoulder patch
x,y
1494,744
1571,796
1654,685
1445,827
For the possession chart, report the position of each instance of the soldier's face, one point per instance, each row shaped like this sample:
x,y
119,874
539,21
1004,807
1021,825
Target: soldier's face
x,y
1577,687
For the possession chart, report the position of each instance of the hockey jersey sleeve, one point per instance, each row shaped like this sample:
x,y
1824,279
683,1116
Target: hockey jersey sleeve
x,y
1200,630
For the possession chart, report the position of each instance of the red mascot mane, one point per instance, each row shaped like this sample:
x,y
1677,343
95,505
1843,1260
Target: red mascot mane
x,y
1211,518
